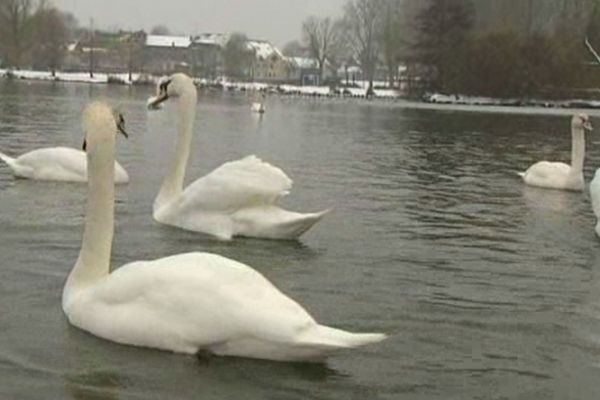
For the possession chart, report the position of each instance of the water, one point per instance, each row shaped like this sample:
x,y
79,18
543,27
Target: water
x,y
489,289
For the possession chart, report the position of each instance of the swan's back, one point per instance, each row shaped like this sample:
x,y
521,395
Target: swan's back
x,y
200,301
554,175
53,162
237,184
59,164
185,303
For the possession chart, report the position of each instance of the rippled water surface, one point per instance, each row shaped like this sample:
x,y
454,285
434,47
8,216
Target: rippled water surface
x,y
489,289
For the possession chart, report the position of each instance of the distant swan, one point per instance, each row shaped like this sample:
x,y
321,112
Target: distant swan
x,y
557,175
59,163
595,193
187,303
258,108
237,199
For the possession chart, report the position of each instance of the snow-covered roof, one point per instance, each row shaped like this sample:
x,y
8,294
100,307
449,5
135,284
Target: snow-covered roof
x,y
303,62
168,41
263,49
218,39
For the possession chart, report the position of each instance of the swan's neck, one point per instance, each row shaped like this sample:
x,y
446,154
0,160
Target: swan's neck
x,y
577,150
173,184
94,258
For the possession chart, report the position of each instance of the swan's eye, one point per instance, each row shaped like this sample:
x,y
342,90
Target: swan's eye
x,y
121,126
164,86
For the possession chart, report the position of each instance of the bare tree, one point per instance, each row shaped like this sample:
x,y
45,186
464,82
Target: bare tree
x,y
51,35
294,49
16,30
130,47
390,37
340,50
442,27
319,35
361,20
160,30
238,57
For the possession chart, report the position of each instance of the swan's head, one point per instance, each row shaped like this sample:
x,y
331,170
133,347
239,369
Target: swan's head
x,y
174,86
100,123
581,121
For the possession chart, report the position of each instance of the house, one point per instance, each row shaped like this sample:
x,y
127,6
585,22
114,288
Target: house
x,y
105,52
269,65
303,71
166,54
207,54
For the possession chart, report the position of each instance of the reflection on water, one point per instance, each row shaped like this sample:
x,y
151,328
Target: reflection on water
x,y
488,288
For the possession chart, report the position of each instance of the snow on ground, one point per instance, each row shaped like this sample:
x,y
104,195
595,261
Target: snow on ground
x,y
168,41
83,77
439,98
382,91
123,78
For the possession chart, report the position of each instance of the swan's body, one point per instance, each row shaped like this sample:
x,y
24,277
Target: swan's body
x,y
56,164
595,193
185,303
237,199
557,175
258,108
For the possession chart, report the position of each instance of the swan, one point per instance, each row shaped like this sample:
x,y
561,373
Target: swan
x,y
595,193
186,303
237,199
59,163
259,105
258,108
557,175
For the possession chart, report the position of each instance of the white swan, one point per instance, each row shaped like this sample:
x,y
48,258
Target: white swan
x,y
185,303
258,108
59,163
595,193
557,175
237,199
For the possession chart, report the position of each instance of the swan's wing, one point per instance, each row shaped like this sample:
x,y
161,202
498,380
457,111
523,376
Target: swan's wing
x,y
60,163
544,170
187,302
235,185
595,194
55,162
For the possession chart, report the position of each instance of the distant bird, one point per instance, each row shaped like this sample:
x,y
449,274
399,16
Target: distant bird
x,y
237,199
557,175
259,106
60,163
187,303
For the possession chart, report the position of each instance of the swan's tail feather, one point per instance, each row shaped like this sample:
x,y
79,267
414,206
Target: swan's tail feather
x,y
274,222
8,160
333,339
315,344
521,174
299,226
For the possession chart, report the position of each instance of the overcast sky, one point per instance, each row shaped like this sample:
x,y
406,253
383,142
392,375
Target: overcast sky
x,y
275,20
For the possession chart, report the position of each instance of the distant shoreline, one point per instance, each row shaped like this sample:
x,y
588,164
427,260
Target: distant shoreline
x,y
297,90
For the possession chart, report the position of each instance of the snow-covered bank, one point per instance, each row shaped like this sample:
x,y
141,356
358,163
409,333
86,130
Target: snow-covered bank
x,y
222,84
82,77
291,90
438,98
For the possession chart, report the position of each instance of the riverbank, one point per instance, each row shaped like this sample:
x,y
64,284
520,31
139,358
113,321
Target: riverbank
x,y
217,84
81,77
356,91
437,98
